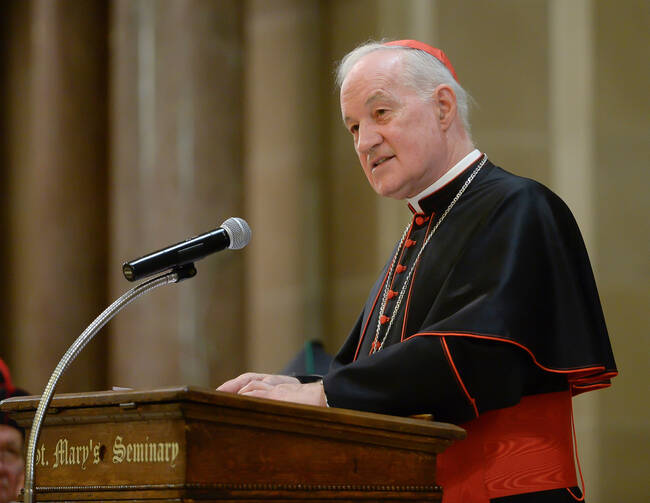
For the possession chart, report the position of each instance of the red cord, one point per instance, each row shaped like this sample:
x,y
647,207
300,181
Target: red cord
x,y
575,448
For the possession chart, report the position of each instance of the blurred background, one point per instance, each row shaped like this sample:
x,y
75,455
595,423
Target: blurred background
x,y
129,125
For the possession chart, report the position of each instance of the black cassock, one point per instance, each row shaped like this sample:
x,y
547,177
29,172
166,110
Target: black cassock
x,y
502,304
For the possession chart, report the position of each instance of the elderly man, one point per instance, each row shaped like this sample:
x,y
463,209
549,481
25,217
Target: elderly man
x,y
12,466
486,314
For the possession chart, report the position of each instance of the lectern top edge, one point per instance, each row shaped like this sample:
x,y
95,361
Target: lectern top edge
x,y
207,396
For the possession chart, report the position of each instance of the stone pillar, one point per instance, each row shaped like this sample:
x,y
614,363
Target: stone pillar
x,y
56,181
571,93
350,226
621,128
499,51
284,141
409,19
176,171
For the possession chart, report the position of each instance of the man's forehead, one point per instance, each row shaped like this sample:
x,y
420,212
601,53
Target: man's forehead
x,y
9,434
380,66
371,79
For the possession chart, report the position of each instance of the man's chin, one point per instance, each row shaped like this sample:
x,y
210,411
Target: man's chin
x,y
385,190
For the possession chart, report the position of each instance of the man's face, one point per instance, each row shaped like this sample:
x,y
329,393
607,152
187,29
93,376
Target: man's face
x,y
397,135
12,467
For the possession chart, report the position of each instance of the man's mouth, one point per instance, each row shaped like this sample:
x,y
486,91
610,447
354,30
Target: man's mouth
x,y
381,160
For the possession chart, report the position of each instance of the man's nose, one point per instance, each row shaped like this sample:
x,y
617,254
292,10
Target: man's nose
x,y
369,137
7,458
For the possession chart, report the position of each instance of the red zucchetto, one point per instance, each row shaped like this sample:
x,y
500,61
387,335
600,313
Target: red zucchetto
x,y
7,390
434,51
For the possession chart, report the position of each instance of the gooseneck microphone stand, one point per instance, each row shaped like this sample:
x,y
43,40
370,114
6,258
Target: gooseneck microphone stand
x,y
174,276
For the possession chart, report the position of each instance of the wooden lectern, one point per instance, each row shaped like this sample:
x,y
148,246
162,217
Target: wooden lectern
x,y
187,443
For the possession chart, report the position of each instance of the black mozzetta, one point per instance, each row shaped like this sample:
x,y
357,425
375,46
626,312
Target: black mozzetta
x,y
501,304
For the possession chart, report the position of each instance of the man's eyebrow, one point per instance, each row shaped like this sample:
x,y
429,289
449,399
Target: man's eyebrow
x,y
379,95
376,96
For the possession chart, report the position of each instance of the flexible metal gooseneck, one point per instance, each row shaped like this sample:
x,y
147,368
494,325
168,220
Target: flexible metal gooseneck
x,y
174,276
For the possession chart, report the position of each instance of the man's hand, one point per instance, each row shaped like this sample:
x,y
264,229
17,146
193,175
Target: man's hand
x,y
276,387
236,384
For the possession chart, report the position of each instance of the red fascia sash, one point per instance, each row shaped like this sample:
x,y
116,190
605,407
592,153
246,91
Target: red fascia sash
x,y
515,450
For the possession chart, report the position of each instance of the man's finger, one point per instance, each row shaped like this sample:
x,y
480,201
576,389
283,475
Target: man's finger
x,y
234,385
255,385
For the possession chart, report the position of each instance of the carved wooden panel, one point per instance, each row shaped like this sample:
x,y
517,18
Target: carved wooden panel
x,y
192,444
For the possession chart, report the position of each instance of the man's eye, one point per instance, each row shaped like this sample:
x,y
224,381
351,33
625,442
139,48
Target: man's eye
x,y
381,112
354,129
10,453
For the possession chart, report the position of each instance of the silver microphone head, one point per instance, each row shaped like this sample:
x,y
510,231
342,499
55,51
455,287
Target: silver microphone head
x,y
238,231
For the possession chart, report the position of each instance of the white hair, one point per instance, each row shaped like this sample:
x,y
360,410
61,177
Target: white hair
x,y
422,71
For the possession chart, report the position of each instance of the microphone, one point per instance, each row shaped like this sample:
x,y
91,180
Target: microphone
x,y
234,234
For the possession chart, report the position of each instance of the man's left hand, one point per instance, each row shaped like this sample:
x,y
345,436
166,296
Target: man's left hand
x,y
310,394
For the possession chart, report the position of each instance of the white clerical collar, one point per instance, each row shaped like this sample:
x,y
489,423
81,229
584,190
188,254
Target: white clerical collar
x,y
460,166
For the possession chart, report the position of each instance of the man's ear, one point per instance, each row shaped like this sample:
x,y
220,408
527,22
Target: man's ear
x,y
446,99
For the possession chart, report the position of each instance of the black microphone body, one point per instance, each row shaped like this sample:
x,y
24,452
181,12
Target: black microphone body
x,y
185,252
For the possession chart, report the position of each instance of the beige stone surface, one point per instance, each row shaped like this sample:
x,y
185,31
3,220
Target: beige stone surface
x,y
622,234
55,172
283,160
176,172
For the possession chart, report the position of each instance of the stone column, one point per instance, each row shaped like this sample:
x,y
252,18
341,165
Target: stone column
x,y
621,128
571,93
409,19
350,229
56,180
500,53
285,78
176,171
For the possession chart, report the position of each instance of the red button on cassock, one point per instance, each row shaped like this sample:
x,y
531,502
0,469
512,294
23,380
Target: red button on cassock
x,y
383,319
400,268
